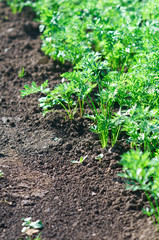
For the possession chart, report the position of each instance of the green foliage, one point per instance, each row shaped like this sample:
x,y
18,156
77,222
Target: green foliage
x,y
16,5
116,123
82,86
141,83
143,174
114,48
34,89
74,28
1,173
81,161
29,225
99,157
141,125
21,73
101,127
61,95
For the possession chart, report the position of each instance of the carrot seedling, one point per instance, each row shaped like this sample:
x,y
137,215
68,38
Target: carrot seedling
x,y
81,161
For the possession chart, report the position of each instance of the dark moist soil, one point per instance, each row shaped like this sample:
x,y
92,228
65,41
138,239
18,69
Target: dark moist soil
x,y
73,201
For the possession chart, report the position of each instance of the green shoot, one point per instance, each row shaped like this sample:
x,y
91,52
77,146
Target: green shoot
x,y
1,173
30,228
81,161
142,125
143,174
21,73
16,5
34,89
99,157
27,223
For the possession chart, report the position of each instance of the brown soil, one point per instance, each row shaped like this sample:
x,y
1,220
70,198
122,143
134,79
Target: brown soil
x,y
73,201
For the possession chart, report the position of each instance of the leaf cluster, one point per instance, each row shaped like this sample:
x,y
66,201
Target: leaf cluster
x,y
142,173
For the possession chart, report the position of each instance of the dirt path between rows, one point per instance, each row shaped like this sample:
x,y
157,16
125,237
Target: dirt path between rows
x,y
73,201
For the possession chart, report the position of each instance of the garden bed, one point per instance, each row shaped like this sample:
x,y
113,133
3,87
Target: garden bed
x,y
73,201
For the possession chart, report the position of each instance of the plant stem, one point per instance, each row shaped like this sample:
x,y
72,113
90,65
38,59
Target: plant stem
x,y
152,206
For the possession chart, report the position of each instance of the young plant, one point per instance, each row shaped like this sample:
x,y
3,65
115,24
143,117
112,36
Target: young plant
x,y
117,121
81,161
30,228
61,95
143,174
34,89
21,73
70,95
16,5
142,125
83,86
101,127
1,174
99,157
103,114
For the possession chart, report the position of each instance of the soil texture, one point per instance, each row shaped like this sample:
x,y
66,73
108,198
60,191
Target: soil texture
x,y
74,201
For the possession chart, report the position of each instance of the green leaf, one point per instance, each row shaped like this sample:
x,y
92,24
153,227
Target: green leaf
x,y
36,225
